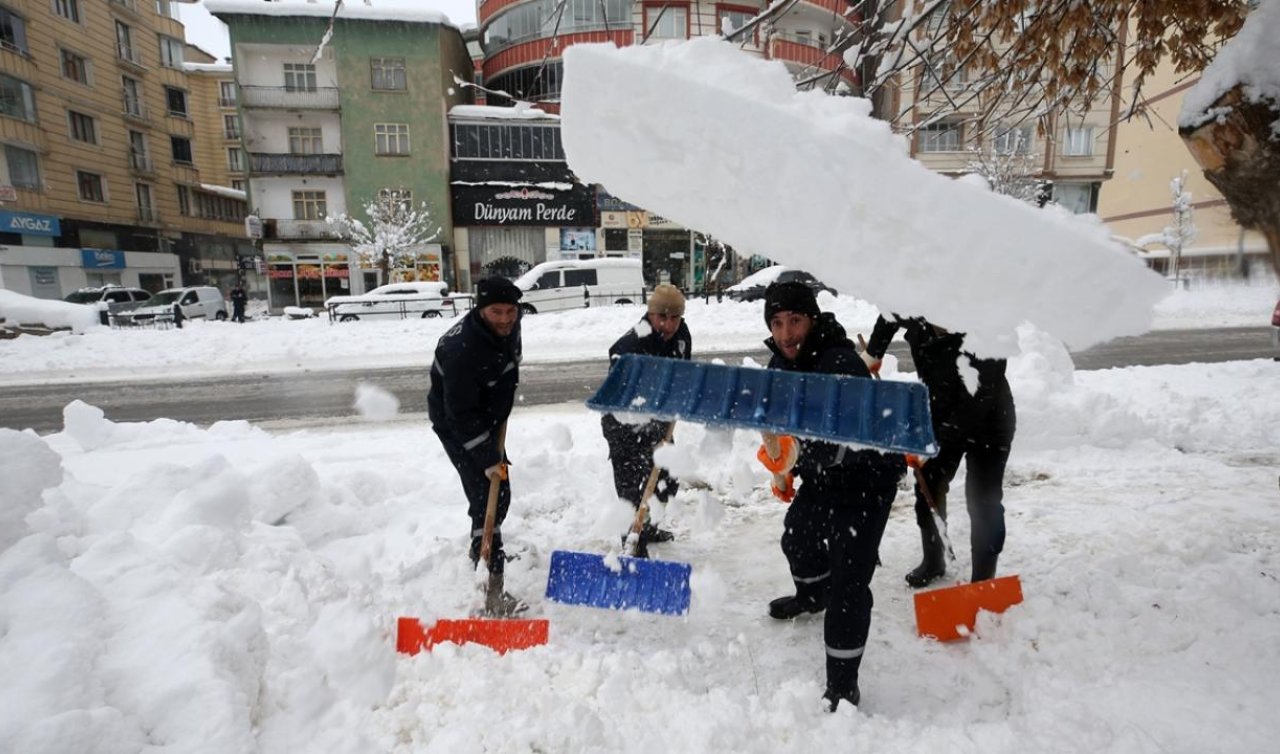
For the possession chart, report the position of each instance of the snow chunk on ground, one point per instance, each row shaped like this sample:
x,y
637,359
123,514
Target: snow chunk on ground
x,y
376,404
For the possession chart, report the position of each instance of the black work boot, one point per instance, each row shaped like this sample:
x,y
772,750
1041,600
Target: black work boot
x,y
984,567
934,564
654,534
793,606
842,682
497,558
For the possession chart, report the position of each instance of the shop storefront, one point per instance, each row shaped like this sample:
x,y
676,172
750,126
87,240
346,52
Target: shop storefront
x,y
307,278
506,228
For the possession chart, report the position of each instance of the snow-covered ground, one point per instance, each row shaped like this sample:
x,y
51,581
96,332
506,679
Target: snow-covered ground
x,y
209,348
169,588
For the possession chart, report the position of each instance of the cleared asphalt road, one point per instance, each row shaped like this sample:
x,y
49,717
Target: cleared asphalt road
x,y
308,396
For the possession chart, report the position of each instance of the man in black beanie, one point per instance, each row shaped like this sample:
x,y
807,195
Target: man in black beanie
x,y
832,531
473,386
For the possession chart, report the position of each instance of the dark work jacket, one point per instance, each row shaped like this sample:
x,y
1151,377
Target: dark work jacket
x,y
473,386
679,347
827,349
987,413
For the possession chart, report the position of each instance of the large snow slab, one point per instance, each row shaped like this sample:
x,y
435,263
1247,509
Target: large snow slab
x,y
721,141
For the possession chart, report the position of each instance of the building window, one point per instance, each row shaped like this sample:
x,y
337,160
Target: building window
x,y
181,147
391,138
483,142
226,94
237,184
124,43
17,100
83,128
399,198
75,67
132,96
176,100
231,126
308,205
731,20
1012,140
13,31
235,160
90,187
1078,198
146,209
184,201
299,77
139,155
170,52
388,74
24,167
943,136
1079,142
68,9
666,22
305,140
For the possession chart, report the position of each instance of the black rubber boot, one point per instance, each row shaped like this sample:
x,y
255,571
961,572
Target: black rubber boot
x,y
842,682
984,567
934,564
793,606
497,558
834,697
654,534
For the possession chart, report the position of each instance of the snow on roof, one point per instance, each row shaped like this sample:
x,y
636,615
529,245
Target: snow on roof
x,y
349,11
207,67
760,277
1250,59
223,191
521,111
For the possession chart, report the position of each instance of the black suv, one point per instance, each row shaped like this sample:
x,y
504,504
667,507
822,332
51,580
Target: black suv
x,y
754,292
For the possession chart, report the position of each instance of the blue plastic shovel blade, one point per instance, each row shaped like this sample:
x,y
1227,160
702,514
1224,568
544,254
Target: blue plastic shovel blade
x,y
892,416
653,586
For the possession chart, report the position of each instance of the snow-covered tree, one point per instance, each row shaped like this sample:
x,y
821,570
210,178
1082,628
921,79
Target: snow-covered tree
x,y
1183,230
1009,166
392,236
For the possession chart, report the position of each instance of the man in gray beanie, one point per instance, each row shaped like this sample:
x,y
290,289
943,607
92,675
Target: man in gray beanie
x,y
661,332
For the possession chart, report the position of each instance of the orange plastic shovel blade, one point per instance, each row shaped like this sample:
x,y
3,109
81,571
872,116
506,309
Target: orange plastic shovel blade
x,y
941,612
500,635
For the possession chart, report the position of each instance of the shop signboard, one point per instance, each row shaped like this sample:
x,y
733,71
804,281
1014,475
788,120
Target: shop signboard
x,y
533,204
8,193
608,202
29,224
102,259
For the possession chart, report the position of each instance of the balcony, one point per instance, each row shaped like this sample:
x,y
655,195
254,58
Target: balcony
x,y
284,230
141,163
261,163
282,98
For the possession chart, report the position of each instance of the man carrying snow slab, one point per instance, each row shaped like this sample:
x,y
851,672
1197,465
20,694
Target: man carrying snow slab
x,y
473,386
832,531
662,332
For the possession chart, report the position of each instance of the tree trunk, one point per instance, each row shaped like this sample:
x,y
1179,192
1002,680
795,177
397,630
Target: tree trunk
x,y
1240,155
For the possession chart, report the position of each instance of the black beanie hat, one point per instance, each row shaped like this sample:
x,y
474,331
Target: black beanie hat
x,y
496,290
789,297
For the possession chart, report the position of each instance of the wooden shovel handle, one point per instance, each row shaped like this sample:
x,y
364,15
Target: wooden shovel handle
x,y
491,507
642,512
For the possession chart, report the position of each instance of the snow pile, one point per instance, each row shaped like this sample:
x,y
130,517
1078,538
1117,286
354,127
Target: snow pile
x,y
17,309
383,11
813,182
376,404
233,590
1249,60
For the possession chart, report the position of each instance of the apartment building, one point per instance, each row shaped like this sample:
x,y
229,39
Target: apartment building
x,y
98,127
955,126
333,118
1138,204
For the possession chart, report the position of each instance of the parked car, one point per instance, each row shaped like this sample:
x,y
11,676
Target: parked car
x,y
197,302
753,286
108,299
394,301
577,283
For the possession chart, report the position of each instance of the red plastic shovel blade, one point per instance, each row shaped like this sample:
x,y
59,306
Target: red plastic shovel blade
x,y
941,612
500,635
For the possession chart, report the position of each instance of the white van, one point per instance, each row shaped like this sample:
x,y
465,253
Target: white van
x,y
197,302
577,283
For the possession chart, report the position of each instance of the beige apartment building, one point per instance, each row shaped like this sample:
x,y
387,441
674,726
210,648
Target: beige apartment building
x,y
108,176
1138,203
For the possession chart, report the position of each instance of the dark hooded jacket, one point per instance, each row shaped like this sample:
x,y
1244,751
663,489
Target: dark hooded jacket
x,y
828,350
473,386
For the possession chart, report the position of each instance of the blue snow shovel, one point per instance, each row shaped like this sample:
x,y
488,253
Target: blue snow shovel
x,y
623,582
889,416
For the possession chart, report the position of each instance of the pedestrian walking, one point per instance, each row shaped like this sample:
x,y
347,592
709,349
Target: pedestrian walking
x,y
238,301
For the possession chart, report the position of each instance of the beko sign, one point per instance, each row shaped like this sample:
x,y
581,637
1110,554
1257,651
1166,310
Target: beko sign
x,y
28,224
